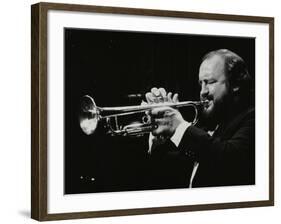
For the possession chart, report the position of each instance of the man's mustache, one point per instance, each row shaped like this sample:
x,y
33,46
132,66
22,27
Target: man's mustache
x,y
209,98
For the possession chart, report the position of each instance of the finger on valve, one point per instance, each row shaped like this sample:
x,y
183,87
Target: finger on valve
x,y
175,98
172,98
150,98
160,94
163,95
155,92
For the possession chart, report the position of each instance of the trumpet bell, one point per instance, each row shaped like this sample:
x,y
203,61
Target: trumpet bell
x,y
89,115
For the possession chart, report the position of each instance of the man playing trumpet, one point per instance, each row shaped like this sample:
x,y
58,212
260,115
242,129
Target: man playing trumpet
x,y
220,149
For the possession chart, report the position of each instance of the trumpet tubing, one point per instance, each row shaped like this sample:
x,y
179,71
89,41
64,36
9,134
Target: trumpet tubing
x,y
91,114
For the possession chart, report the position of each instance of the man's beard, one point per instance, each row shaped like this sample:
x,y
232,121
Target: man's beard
x,y
211,117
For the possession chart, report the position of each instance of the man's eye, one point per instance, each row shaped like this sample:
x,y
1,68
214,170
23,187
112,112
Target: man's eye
x,y
211,81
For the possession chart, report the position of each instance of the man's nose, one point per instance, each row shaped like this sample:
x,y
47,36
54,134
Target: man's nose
x,y
204,91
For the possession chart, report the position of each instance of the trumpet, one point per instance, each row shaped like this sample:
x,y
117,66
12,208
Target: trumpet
x,y
90,115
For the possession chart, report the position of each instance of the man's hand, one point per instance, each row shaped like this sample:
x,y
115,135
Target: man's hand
x,y
167,119
160,96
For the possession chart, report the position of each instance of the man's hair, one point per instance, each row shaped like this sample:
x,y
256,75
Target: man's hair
x,y
236,71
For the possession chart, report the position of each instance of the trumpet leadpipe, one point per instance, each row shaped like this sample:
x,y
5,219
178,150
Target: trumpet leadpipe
x,y
127,110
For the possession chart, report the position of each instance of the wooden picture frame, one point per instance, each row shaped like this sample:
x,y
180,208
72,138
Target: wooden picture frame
x,y
40,103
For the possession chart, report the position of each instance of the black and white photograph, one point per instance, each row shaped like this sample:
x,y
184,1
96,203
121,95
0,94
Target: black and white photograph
x,y
154,111
138,111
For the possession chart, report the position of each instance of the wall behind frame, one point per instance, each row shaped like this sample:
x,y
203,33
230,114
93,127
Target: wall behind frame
x,y
15,123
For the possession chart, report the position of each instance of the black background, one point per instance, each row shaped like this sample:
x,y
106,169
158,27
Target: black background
x,y
110,65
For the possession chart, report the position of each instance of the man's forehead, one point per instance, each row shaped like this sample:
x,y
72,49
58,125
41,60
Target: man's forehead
x,y
212,67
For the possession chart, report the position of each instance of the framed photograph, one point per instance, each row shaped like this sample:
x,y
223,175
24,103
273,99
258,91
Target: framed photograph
x,y
138,111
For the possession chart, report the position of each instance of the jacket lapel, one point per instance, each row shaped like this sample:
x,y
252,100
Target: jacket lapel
x,y
227,131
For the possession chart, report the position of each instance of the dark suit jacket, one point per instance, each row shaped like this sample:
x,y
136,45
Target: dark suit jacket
x,y
226,158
